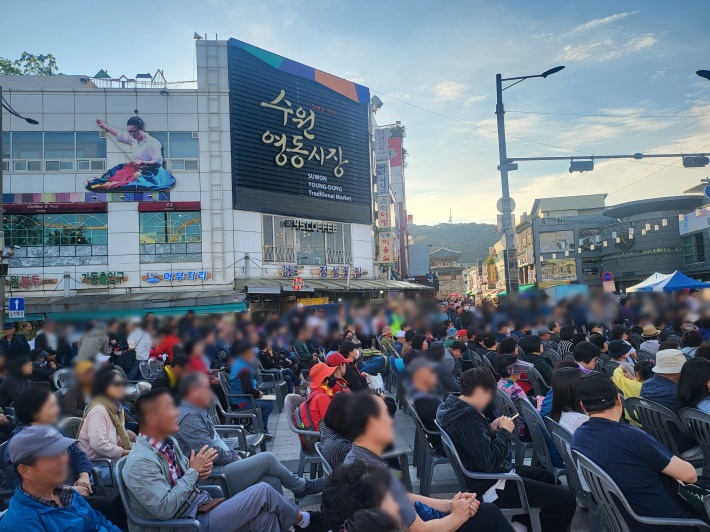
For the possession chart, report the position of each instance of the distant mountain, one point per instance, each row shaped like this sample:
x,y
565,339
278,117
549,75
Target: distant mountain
x,y
473,240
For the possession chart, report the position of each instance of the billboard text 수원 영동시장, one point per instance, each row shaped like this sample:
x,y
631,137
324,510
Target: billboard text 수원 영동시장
x,y
300,138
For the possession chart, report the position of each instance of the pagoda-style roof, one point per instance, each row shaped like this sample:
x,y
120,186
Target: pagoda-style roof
x,y
444,253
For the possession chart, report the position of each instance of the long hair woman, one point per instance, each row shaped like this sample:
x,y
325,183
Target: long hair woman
x,y
694,385
566,407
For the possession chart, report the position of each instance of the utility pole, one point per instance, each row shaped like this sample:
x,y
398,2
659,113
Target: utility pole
x,y
506,204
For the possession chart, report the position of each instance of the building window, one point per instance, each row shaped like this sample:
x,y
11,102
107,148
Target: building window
x,y
181,149
693,249
57,239
170,237
55,151
284,244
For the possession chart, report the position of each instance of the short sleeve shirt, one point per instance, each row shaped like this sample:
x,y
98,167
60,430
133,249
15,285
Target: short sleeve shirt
x,y
406,508
634,460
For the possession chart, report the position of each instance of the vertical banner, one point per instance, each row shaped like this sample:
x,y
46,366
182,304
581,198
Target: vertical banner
x,y
382,173
385,218
385,251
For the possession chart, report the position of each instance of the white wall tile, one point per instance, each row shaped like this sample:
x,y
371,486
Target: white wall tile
x,y
90,103
59,183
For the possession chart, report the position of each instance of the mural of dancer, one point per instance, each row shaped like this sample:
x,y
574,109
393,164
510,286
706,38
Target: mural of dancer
x,y
144,171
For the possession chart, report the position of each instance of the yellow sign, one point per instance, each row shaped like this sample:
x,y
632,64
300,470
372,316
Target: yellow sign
x,y
550,284
308,301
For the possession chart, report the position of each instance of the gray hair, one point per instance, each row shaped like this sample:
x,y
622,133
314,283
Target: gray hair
x,y
188,382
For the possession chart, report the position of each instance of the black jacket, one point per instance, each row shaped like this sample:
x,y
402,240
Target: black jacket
x,y
162,380
11,387
466,318
356,382
17,347
480,448
542,365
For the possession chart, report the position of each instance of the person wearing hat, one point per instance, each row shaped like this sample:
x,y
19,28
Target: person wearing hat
x,y
337,361
620,352
324,380
451,334
43,501
663,389
242,381
386,341
78,395
349,353
643,469
12,343
621,332
650,339
399,342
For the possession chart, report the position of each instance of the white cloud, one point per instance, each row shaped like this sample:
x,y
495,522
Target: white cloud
x,y
641,42
593,24
449,90
579,52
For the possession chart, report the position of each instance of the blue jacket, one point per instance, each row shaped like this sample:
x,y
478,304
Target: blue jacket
x,y
28,515
78,461
235,384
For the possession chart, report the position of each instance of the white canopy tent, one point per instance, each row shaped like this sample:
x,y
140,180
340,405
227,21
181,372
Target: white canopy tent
x,y
654,279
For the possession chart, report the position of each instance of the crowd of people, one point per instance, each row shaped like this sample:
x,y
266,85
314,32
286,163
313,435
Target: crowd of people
x,y
573,361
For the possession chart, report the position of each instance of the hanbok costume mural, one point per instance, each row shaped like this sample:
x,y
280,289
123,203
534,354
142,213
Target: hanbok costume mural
x,y
144,172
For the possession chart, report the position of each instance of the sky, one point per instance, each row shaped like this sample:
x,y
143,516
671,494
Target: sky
x,y
629,84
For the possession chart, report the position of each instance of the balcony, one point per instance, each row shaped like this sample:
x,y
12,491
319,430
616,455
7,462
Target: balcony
x,y
279,254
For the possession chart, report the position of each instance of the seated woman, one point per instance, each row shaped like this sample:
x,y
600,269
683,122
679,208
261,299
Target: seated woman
x,y
335,445
693,391
271,359
324,386
566,408
78,395
102,433
39,406
242,381
17,380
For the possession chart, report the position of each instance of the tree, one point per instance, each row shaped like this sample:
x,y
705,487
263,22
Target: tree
x,y
398,130
29,65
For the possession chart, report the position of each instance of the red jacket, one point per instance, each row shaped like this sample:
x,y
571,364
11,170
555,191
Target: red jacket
x,y
166,346
317,406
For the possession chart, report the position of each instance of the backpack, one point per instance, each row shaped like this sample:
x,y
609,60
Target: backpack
x,y
307,440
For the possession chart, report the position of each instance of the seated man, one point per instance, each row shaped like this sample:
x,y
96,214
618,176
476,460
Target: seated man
x,y
423,395
197,431
484,447
438,355
173,370
645,471
586,355
532,349
163,484
371,430
42,501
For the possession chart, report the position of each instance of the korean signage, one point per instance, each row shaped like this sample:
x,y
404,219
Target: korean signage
x,y
385,214
300,138
311,226
103,278
696,220
382,175
557,241
309,301
27,282
382,136
179,276
385,253
337,271
558,270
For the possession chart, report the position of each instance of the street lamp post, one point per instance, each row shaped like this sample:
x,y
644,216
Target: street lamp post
x,y
506,205
3,270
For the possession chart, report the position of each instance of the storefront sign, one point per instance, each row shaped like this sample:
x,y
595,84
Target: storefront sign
x,y
54,208
382,175
289,270
154,278
696,220
311,225
556,241
169,206
385,218
300,138
298,283
558,270
310,301
385,253
337,271
27,282
382,136
103,278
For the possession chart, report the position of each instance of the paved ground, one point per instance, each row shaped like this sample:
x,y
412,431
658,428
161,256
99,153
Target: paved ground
x,y
286,448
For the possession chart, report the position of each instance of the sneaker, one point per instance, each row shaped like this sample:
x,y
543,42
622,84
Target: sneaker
x,y
268,436
313,487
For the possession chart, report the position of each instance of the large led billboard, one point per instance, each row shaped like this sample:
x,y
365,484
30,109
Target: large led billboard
x,y
300,138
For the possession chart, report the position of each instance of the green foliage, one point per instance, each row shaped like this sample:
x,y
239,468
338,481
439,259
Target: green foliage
x,y
472,239
29,65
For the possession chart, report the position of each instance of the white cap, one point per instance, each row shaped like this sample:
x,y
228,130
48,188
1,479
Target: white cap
x,y
300,305
101,358
136,320
400,334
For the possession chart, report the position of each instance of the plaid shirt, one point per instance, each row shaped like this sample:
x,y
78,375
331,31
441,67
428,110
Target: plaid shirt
x,y
167,449
65,494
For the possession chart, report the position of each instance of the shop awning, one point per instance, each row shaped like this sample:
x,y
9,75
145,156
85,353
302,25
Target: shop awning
x,y
285,285
523,288
84,306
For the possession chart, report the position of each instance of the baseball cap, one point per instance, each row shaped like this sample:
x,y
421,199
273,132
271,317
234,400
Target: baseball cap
x,y
335,359
451,332
618,329
462,332
400,334
597,392
8,325
618,348
543,329
38,440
